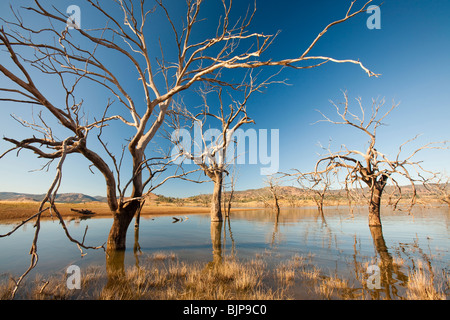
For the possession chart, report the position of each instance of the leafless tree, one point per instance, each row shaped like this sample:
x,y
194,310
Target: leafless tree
x,y
440,188
444,192
372,167
273,186
317,185
293,200
214,148
53,49
48,200
229,196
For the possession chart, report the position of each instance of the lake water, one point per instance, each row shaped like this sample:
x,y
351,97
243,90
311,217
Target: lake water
x,y
339,243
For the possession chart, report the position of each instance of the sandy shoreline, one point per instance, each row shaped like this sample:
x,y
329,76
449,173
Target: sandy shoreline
x,y
11,211
17,211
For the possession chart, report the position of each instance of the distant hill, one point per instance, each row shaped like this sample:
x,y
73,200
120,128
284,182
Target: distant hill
x,y
291,196
63,197
261,194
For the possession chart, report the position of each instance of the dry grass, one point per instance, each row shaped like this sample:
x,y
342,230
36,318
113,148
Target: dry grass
x,y
423,286
313,279
163,256
164,277
327,286
422,283
12,211
287,272
6,290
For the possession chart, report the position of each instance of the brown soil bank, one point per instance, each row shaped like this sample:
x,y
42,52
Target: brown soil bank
x,y
12,210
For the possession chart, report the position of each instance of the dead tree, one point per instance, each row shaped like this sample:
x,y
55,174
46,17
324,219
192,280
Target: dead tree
x,y
229,196
210,148
443,190
315,184
373,168
71,55
49,200
439,189
213,149
273,186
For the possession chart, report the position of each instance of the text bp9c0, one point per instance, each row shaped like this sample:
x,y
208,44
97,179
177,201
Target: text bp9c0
x,y
239,309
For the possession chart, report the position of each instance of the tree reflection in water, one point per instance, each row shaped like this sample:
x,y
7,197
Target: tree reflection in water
x,y
216,240
388,268
313,229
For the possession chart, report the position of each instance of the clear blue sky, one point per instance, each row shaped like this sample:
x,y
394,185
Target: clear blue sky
x,y
410,51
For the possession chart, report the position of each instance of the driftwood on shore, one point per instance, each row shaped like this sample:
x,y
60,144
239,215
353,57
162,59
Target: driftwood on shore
x,y
83,211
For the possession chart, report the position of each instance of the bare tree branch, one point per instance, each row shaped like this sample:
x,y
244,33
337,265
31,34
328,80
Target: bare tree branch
x,y
80,58
371,167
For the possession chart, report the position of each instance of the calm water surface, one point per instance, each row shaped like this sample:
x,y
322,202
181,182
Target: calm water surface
x,y
337,242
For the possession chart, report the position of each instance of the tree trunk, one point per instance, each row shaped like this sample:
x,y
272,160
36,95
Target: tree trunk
x,y
216,211
229,206
320,209
116,243
276,205
374,207
138,215
125,213
227,201
118,233
319,202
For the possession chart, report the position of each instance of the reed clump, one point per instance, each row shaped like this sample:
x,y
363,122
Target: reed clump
x,y
423,285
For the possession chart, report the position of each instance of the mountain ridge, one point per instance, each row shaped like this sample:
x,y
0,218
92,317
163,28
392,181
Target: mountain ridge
x,y
284,191
62,197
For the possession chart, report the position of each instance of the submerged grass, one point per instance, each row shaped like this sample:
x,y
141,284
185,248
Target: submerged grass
x,y
423,286
162,276
421,283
